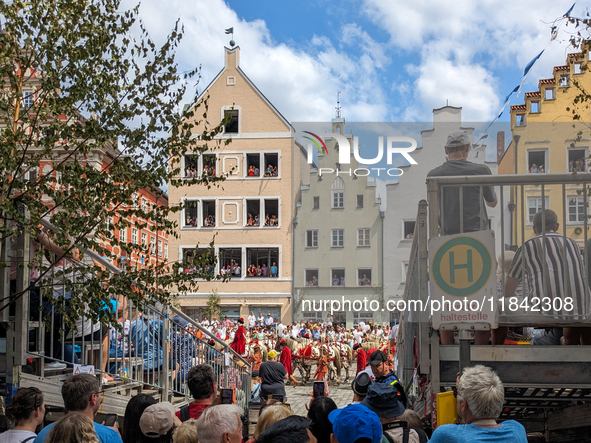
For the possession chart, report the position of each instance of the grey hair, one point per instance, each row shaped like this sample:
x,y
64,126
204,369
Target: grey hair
x,y
216,421
483,390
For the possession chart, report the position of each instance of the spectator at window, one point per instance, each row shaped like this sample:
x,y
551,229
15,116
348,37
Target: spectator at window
x,y
342,281
267,220
274,270
264,270
259,272
335,280
256,171
314,281
251,171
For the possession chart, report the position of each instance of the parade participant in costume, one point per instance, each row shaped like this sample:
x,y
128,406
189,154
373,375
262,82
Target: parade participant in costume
x,y
361,358
257,358
286,361
239,343
322,369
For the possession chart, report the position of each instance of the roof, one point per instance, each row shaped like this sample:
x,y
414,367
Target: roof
x,y
516,107
561,68
547,81
533,94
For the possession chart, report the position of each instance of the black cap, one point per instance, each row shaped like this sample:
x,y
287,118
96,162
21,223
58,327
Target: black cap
x,y
378,357
361,384
382,398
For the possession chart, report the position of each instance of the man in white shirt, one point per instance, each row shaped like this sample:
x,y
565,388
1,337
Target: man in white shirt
x,y
269,320
393,335
205,322
261,319
280,329
358,335
329,319
295,331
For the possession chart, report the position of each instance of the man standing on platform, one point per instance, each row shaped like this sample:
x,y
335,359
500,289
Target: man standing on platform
x,y
239,343
285,360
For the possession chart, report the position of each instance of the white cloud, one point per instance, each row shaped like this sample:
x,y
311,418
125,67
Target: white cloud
x,y
469,40
301,84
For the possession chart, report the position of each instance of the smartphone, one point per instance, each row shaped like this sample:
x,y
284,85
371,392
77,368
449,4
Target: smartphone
x,y
318,389
110,420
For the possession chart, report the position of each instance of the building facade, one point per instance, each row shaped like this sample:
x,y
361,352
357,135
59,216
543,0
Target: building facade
x,y
251,213
338,247
546,140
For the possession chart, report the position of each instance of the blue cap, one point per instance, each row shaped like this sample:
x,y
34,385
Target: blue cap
x,y
354,422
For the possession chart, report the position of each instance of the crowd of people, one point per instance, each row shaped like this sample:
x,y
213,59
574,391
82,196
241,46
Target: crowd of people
x,y
377,412
208,171
271,171
577,165
535,169
209,221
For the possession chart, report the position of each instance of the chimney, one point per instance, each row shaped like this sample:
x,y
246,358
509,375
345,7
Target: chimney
x,y
232,57
500,145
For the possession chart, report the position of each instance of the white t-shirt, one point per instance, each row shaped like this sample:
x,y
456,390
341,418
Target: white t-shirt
x,y
394,332
269,321
204,323
251,321
280,328
14,436
295,331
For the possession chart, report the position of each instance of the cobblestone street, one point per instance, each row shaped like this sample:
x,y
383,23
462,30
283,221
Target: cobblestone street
x,y
299,397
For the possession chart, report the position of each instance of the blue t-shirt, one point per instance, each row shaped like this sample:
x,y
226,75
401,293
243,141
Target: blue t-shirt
x,y
509,431
103,433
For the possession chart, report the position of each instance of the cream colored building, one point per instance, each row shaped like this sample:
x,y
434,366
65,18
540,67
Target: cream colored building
x,y
261,136
546,140
338,253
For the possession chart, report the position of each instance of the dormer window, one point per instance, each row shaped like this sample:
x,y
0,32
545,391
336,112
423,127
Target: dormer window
x,y
564,81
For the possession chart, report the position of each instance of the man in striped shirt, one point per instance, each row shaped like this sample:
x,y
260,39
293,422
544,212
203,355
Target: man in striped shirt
x,y
556,273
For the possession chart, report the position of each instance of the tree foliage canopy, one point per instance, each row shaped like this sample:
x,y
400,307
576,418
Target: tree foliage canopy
x,y
89,115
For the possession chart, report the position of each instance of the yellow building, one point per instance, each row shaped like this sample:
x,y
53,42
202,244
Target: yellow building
x,y
546,140
267,168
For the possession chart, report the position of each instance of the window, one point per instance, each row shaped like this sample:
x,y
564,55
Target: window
x,y
578,68
363,237
564,81
144,205
109,225
191,219
536,161
549,94
144,239
28,99
134,236
337,277
134,199
311,277
365,317
123,235
160,248
262,262
409,229
191,166
209,165
404,272
231,121
338,238
166,250
200,261
231,262
534,204
576,209
316,203
359,201
338,199
208,212
364,277
271,213
519,119
253,211
534,107
312,239
312,316
577,160
153,245
253,165
271,165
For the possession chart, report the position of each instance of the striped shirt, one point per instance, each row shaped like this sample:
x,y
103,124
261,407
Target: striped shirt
x,y
562,269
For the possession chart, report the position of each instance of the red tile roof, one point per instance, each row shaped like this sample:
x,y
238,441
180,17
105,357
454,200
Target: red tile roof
x,y
547,81
533,94
561,68
517,107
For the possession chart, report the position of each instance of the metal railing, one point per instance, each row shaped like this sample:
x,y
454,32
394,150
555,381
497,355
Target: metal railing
x,y
147,350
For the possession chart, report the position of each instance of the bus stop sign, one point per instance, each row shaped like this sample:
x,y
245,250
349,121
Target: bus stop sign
x,y
463,282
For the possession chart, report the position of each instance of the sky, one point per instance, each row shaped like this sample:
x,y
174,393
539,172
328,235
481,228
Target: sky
x,y
392,60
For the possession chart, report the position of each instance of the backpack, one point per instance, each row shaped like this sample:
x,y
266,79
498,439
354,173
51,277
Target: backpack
x,y
405,432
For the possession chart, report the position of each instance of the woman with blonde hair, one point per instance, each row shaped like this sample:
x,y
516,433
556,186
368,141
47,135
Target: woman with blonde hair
x,y
270,415
73,428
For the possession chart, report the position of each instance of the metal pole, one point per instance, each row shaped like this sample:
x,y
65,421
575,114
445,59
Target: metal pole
x,y
465,338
